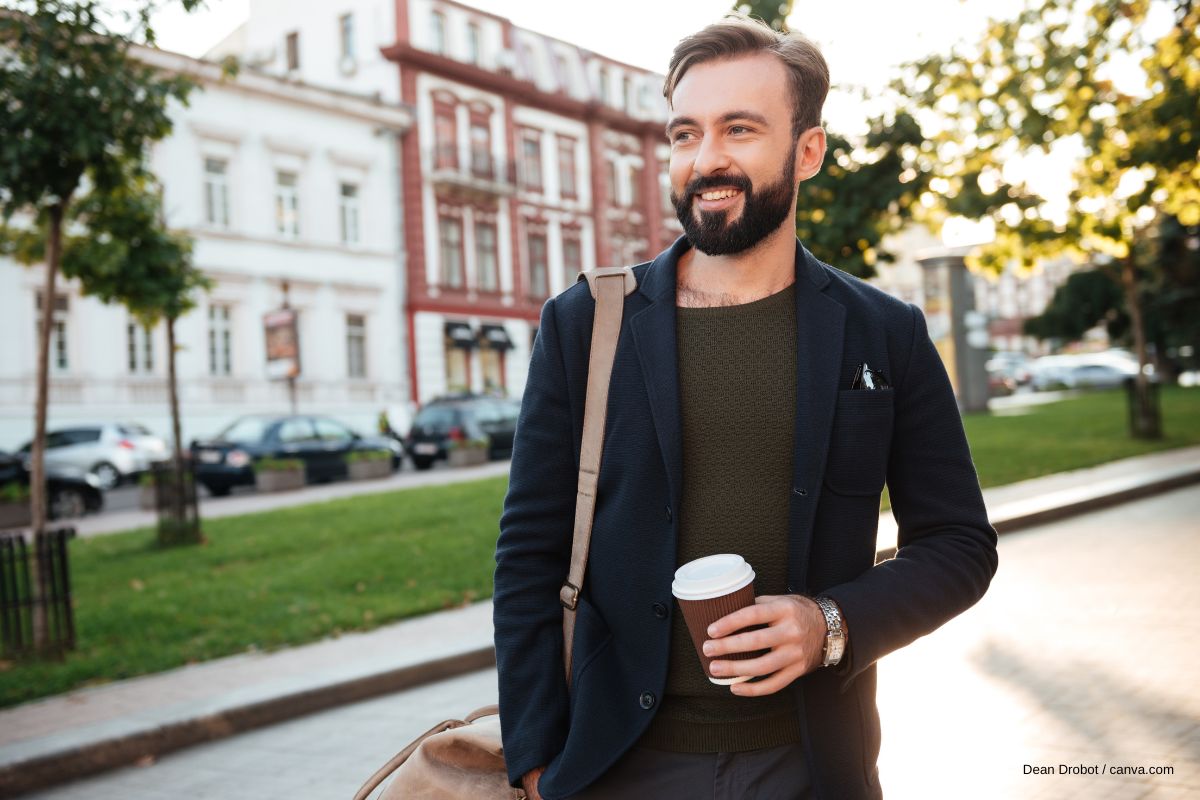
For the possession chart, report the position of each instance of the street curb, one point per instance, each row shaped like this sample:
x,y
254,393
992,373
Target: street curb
x,y
73,764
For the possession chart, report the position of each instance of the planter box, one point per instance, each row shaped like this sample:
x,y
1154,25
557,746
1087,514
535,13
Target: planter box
x,y
279,480
15,515
467,456
370,470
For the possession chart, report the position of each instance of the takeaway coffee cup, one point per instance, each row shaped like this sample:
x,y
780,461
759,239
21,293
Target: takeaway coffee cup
x,y
710,588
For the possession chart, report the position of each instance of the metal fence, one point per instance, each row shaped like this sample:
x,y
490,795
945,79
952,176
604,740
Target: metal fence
x,y
17,599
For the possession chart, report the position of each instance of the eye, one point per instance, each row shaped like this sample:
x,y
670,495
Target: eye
x,y
681,136
739,128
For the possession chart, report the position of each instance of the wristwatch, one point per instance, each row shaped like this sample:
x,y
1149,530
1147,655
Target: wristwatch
x,y
835,638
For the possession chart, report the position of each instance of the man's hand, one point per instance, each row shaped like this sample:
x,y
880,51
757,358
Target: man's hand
x,y
529,782
795,635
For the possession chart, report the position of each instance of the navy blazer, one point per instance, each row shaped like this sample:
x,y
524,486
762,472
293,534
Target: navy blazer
x,y
847,444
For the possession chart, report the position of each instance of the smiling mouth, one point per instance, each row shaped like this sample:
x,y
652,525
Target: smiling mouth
x,y
718,194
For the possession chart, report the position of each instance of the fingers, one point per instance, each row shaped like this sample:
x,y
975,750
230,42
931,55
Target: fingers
x,y
746,642
752,667
770,685
765,609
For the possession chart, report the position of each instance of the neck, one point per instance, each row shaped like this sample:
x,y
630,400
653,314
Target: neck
x,y
763,270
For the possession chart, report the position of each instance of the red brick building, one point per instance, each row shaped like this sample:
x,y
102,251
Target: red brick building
x,y
532,159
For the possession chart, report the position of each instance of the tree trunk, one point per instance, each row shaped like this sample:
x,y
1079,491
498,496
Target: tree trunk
x,y
1144,418
182,528
37,471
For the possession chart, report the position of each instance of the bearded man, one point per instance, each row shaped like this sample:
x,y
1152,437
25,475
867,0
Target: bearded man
x,y
760,400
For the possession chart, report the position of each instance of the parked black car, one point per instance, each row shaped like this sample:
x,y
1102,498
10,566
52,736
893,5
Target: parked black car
x,y
462,418
322,443
68,494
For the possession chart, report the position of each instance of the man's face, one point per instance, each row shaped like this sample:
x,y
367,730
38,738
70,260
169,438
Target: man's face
x,y
733,155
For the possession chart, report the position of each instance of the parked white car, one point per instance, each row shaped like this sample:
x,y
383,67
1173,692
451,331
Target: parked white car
x,y
113,452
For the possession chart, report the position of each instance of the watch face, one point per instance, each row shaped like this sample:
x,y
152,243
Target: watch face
x,y
833,653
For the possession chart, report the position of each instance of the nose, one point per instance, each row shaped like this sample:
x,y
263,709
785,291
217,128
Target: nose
x,y
711,157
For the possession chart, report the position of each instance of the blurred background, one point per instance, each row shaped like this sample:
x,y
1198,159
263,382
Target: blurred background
x,y
257,255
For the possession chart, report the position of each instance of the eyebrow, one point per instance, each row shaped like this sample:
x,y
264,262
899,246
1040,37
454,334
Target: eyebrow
x,y
728,116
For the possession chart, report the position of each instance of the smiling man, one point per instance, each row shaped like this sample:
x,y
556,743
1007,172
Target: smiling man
x,y
760,400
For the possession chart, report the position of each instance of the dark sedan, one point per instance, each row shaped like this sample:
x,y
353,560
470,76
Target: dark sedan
x,y
462,418
322,443
68,494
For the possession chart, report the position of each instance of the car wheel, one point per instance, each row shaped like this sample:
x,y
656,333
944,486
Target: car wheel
x,y
397,463
422,463
107,475
217,489
67,503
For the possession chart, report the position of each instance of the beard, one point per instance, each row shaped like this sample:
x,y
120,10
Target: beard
x,y
763,211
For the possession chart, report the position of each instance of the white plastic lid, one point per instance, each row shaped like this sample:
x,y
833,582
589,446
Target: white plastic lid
x,y
711,576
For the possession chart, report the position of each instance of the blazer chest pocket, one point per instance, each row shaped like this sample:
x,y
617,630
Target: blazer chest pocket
x,y
860,441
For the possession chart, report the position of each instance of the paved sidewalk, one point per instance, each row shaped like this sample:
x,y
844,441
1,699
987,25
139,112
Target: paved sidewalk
x,y
84,731
1039,672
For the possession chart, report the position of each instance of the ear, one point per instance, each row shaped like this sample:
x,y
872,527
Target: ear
x,y
810,153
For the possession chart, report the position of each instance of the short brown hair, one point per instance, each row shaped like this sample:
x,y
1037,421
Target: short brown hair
x,y
737,35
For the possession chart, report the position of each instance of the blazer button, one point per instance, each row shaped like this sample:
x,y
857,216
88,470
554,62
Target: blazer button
x,y
801,491
646,701
660,610
668,513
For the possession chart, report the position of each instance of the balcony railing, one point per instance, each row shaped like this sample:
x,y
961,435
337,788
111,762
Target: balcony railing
x,y
479,171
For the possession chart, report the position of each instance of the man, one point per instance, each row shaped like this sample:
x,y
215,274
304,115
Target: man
x,y
740,420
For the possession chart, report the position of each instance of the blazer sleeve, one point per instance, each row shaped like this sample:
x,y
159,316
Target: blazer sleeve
x,y
532,559
946,548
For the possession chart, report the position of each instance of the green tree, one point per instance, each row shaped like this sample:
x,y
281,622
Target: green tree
x,y
130,257
75,107
1047,80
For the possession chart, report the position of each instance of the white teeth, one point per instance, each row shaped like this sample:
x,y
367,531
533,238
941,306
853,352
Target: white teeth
x,y
719,195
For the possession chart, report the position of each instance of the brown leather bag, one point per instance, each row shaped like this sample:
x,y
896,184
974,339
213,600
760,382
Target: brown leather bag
x,y
464,759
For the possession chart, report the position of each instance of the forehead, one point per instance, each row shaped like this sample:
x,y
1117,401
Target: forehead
x,y
757,82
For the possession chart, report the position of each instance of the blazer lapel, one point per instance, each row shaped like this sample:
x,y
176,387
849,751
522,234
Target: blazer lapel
x,y
654,337
820,325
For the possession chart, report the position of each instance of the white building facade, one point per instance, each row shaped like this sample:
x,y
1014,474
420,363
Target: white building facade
x,y
280,184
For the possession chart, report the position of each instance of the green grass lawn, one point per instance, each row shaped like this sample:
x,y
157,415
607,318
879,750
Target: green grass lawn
x,y
295,575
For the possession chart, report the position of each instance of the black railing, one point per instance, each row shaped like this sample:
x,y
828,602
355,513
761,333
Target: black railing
x,y
19,606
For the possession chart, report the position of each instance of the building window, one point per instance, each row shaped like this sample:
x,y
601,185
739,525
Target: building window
x,y
611,178
491,364
220,338
664,185
538,285
216,192
139,347
627,95
59,361
563,72
293,51
603,81
635,188
566,168
356,346
287,204
437,31
450,246
445,139
486,263
474,47
346,35
481,149
572,258
348,212
531,161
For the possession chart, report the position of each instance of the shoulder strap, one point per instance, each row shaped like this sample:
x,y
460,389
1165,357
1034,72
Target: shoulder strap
x,y
609,286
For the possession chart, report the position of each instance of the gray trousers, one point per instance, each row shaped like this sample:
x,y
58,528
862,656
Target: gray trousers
x,y
772,773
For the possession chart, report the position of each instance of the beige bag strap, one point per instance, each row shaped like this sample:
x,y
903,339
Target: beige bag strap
x,y
609,286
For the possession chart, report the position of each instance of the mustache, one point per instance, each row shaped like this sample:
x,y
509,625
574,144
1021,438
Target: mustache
x,y
706,182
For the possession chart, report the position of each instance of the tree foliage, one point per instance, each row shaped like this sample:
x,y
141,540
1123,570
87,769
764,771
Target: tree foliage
x,y
1048,78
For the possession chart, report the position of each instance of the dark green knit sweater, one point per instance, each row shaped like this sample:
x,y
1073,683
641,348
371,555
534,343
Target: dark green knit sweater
x,y
737,381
